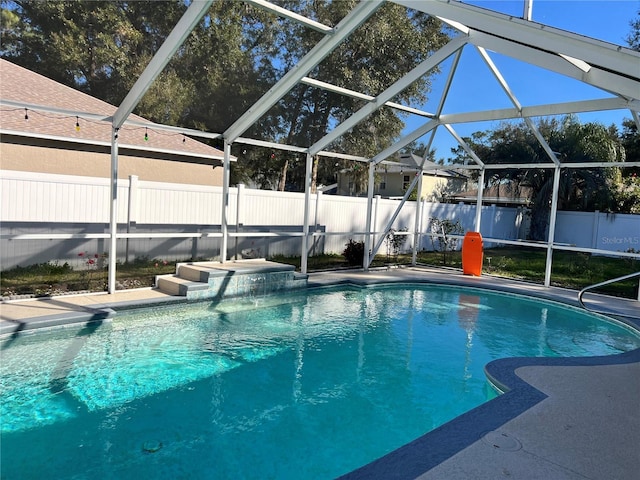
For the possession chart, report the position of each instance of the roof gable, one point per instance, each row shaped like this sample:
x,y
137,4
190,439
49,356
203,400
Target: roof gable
x,y
19,85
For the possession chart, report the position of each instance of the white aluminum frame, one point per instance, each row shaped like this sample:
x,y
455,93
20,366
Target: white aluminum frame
x,y
611,68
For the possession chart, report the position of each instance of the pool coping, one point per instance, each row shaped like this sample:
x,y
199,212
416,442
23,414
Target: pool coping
x,y
459,448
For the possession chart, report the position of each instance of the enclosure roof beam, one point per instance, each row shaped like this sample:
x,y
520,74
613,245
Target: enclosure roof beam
x,y
516,103
283,12
596,53
176,38
360,13
362,96
194,157
498,76
404,141
55,110
273,145
611,81
636,118
467,148
100,117
433,61
541,140
540,110
343,156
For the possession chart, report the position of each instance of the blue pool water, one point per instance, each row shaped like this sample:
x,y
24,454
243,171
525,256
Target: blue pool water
x,y
310,385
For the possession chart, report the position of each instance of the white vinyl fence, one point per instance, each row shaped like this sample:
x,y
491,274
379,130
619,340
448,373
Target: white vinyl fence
x,y
49,218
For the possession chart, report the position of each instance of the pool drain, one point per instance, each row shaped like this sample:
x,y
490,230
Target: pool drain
x,y
151,446
502,441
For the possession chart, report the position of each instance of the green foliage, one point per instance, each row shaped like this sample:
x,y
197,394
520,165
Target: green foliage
x,y
633,39
325,261
38,270
365,63
90,273
227,63
98,47
580,189
354,253
628,194
395,242
630,140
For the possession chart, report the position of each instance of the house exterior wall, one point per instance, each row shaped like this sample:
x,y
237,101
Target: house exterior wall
x,y
393,184
433,186
84,160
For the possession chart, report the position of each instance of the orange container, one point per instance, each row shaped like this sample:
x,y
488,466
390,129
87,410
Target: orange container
x,y
472,254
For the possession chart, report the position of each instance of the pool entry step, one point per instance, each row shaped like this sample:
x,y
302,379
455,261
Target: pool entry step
x,y
204,280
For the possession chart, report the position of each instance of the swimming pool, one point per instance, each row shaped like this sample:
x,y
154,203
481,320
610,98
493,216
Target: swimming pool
x,y
311,385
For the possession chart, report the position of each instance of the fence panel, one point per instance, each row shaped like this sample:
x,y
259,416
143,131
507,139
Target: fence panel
x,y
605,231
47,204
168,203
32,197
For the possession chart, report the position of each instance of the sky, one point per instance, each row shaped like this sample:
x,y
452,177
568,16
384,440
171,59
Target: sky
x,y
474,88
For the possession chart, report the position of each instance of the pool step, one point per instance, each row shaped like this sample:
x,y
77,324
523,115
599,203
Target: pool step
x,y
174,285
203,280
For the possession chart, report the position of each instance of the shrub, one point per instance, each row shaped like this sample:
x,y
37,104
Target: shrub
x,y
443,242
395,242
354,253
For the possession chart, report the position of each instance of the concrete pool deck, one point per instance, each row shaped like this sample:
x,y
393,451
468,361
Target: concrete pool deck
x,y
575,418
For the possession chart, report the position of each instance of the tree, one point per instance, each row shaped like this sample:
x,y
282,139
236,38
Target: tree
x,y
633,39
226,64
579,188
362,63
102,47
99,48
630,139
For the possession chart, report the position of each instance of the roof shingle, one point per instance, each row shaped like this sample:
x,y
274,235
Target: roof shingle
x,y
19,85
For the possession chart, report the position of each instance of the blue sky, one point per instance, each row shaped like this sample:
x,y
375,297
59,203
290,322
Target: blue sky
x,y
474,88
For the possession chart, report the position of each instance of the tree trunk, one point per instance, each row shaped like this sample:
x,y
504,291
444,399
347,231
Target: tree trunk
x,y
283,176
294,114
314,174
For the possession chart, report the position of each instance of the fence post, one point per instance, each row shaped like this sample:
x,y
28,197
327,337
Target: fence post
x,y
315,239
132,211
239,201
596,227
375,217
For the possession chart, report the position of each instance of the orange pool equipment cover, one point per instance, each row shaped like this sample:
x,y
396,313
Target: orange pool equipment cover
x,y
472,254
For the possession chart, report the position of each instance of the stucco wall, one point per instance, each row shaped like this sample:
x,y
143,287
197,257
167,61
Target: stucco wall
x,y
81,160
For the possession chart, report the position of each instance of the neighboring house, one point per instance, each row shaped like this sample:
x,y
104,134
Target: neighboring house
x,y
392,180
45,141
504,194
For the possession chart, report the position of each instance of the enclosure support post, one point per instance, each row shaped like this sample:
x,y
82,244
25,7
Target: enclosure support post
x,y
479,200
113,213
389,224
552,226
305,229
224,224
366,261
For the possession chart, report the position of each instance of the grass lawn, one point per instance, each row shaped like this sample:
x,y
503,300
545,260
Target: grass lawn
x,y
46,279
570,270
